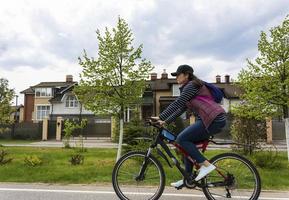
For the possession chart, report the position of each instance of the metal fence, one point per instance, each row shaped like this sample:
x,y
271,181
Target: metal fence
x,y
23,130
278,129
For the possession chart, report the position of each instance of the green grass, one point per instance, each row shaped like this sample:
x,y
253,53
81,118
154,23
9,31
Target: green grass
x,y
98,165
56,167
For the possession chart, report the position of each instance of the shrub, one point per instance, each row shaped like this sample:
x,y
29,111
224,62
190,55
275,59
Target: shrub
x,y
69,127
32,161
248,132
77,159
3,157
79,145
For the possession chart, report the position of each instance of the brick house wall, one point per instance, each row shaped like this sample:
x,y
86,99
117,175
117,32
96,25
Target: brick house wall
x,y
28,107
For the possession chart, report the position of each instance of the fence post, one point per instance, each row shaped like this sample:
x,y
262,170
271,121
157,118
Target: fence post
x,y
44,128
287,135
269,130
58,128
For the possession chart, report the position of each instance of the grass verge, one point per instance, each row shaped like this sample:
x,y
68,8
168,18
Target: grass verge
x,y
98,165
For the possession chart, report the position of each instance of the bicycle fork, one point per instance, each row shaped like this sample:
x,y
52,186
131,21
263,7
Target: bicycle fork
x,y
141,174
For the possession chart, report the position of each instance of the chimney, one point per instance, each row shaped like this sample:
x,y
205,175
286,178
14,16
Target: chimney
x,y
154,76
218,79
164,75
69,78
227,79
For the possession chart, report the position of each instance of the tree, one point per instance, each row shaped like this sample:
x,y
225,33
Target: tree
x,y
248,127
266,81
266,87
6,96
116,79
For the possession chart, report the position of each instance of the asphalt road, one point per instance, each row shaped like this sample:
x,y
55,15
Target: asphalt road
x,y
16,191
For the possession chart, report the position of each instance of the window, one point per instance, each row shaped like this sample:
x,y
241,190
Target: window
x,y
71,102
42,111
43,92
176,90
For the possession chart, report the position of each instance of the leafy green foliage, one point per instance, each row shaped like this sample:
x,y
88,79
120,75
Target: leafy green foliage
x,y
3,157
266,81
77,159
6,96
266,87
178,125
136,135
116,79
248,132
69,127
79,146
32,160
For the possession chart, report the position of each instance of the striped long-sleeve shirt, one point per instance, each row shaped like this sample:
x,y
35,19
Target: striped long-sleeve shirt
x,y
178,107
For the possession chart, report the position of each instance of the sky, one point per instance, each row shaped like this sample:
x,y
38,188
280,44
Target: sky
x,y
40,41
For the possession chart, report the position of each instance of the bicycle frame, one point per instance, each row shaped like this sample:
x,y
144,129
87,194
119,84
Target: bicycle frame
x,y
160,140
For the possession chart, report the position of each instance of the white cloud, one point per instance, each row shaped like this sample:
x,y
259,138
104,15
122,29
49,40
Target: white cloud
x,y
41,40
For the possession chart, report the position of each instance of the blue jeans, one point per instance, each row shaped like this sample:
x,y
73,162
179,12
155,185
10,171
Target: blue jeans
x,y
194,133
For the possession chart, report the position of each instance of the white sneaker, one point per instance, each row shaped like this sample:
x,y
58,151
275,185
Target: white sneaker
x,y
204,171
178,183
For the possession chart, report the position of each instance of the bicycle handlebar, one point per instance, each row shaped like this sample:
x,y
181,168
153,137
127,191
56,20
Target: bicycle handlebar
x,y
153,122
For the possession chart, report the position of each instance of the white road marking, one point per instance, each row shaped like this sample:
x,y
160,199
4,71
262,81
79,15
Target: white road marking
x,y
111,192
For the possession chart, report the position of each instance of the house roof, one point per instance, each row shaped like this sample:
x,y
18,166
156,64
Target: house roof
x,y
59,95
53,84
62,85
28,91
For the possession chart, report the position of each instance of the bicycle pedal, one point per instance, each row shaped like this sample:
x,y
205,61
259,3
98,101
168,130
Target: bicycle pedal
x,y
180,187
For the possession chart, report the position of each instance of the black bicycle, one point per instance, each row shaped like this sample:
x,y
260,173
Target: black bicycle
x,y
140,175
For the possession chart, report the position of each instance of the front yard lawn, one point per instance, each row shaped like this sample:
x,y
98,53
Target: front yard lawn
x,y
98,165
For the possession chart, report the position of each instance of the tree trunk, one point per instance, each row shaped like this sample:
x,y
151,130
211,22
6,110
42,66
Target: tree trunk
x,y
120,134
285,111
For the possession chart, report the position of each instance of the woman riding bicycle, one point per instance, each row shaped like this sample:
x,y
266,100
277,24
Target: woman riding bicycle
x,y
211,118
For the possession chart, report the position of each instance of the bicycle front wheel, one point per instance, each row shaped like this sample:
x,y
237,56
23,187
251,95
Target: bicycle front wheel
x,y
136,176
235,178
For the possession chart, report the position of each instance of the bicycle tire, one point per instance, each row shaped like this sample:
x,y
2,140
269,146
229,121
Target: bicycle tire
x,y
121,194
217,161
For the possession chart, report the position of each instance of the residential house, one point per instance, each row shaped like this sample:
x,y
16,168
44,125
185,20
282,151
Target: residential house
x,y
36,98
161,92
56,99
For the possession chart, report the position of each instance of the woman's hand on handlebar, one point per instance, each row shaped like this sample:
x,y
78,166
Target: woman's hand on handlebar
x,y
157,120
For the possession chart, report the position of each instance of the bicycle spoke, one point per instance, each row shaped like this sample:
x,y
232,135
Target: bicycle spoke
x,y
130,184
241,179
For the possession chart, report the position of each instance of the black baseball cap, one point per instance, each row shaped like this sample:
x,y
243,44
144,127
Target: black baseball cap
x,y
183,69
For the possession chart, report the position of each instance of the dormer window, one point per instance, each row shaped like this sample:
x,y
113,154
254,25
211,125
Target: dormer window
x,y
43,92
71,102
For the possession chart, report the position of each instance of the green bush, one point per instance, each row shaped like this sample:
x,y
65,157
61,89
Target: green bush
x,y
69,127
79,145
32,161
3,157
76,159
248,132
177,126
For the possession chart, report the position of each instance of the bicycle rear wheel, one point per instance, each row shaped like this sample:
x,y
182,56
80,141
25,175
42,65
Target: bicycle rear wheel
x,y
235,178
130,183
